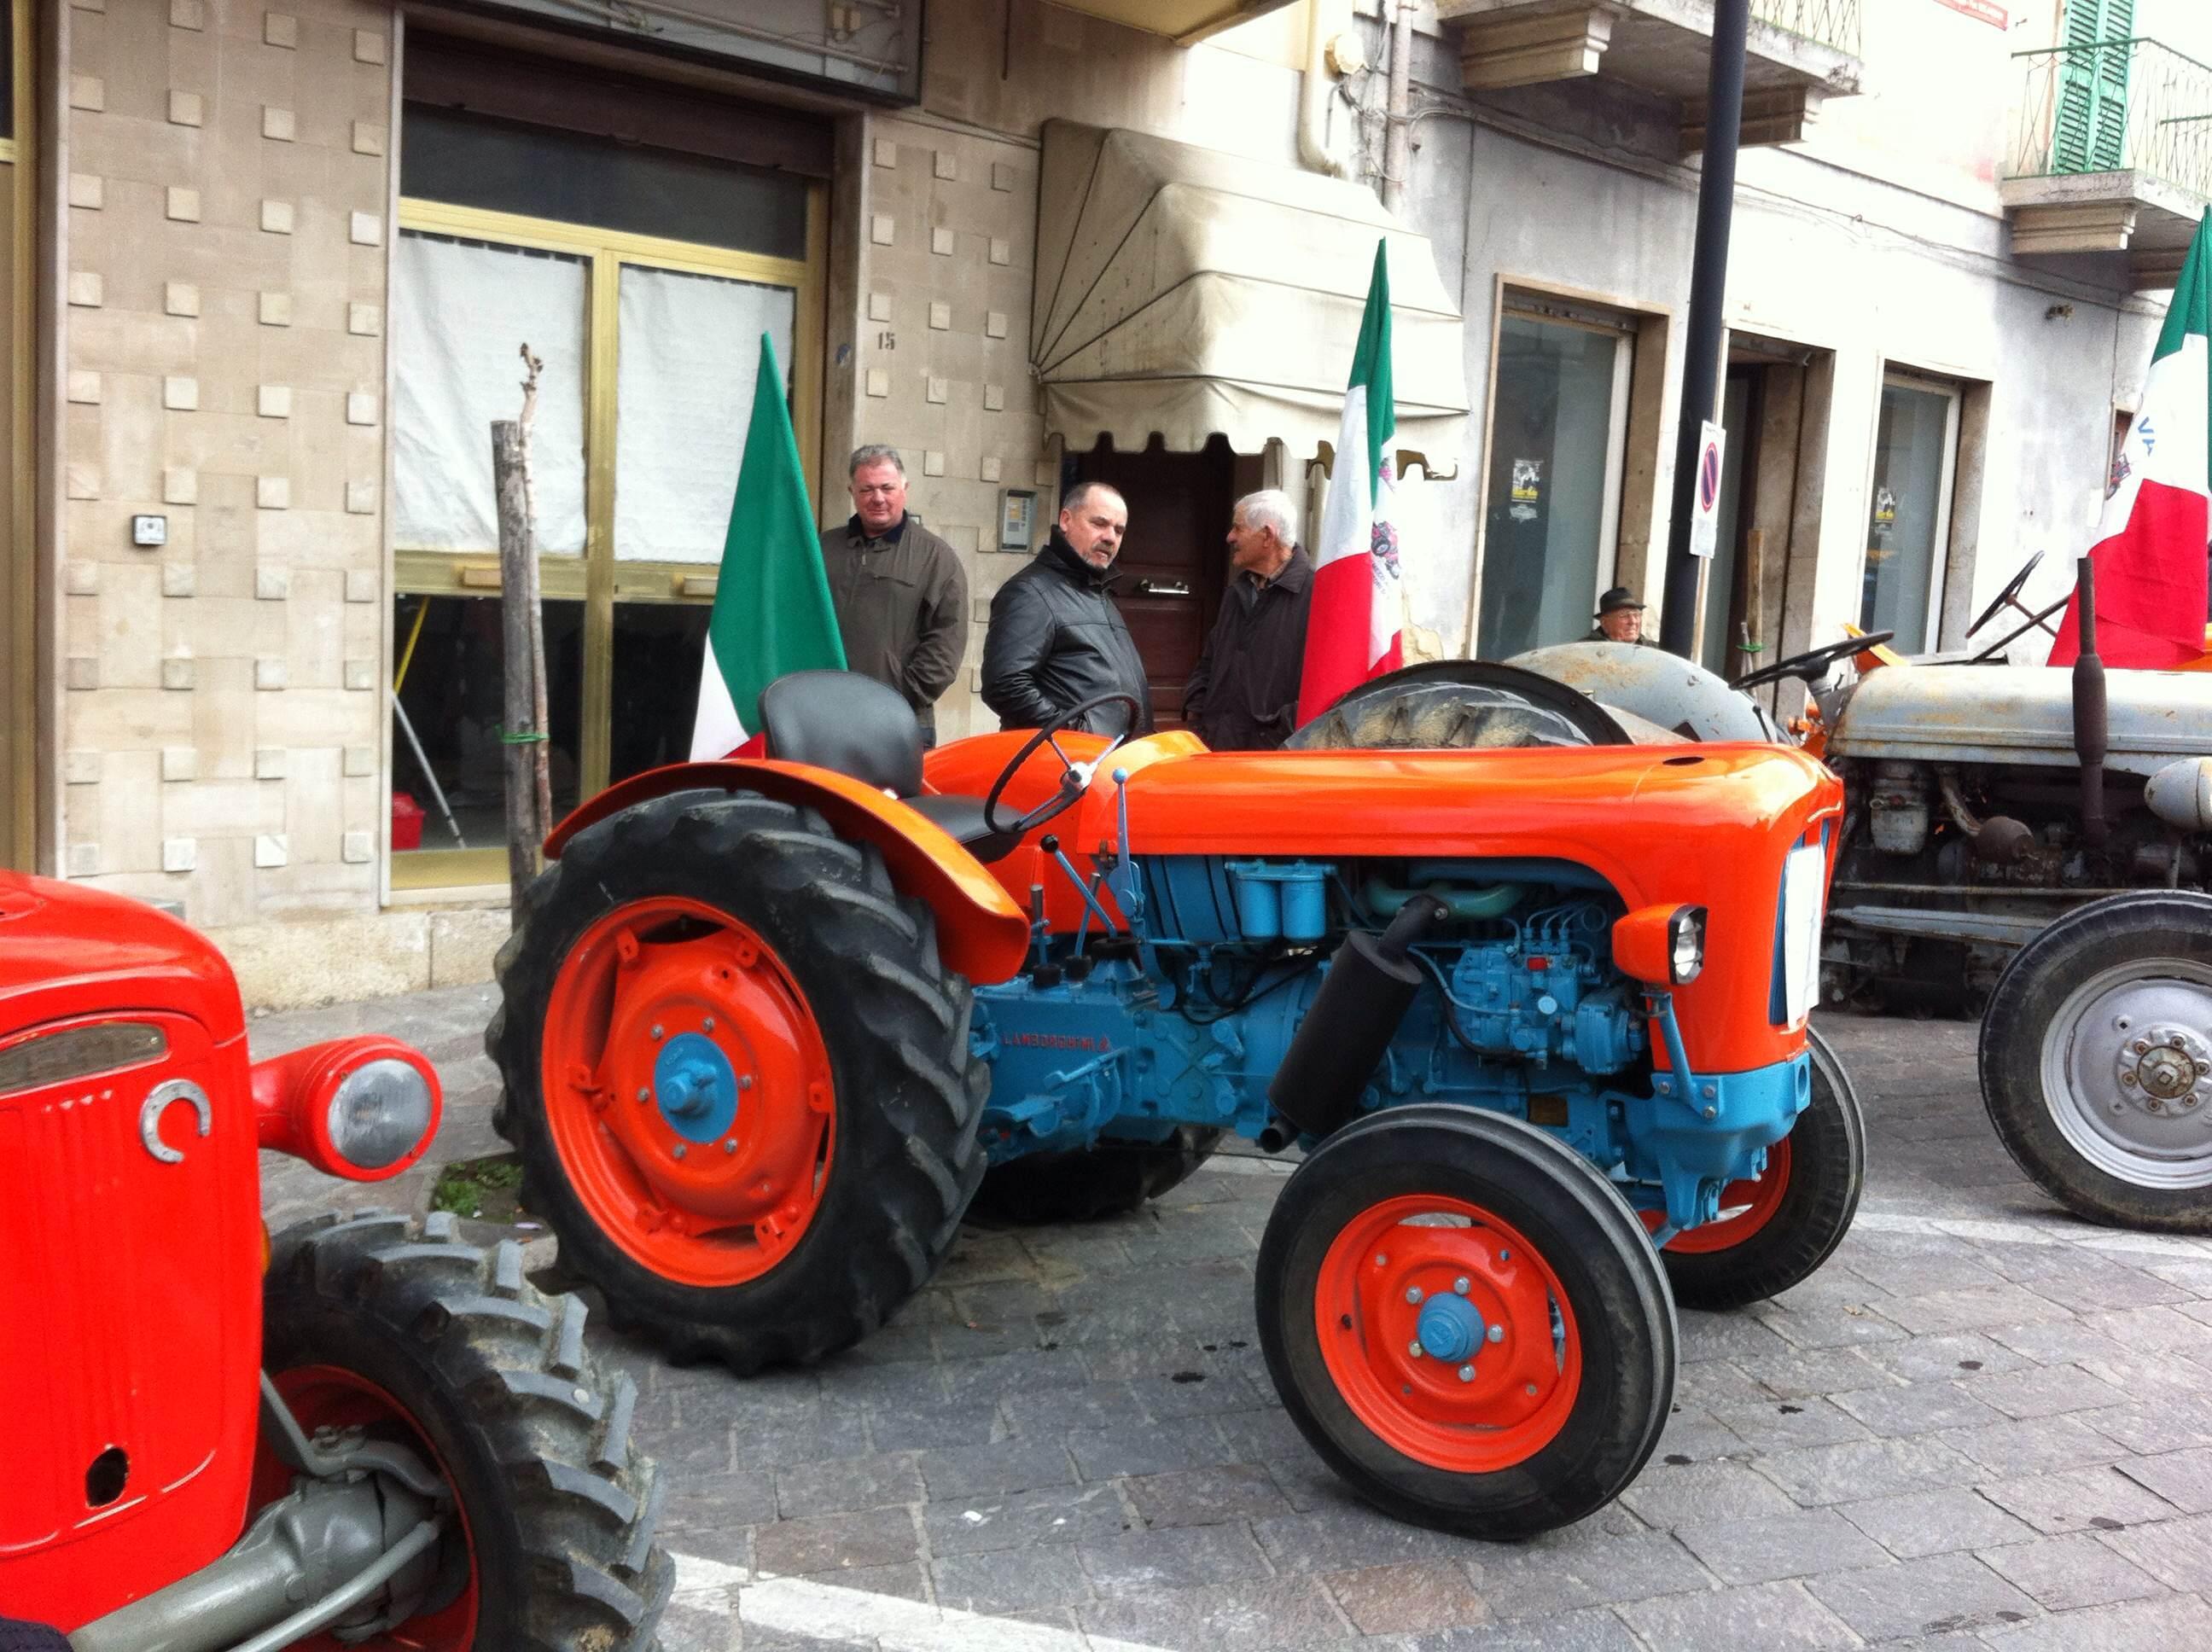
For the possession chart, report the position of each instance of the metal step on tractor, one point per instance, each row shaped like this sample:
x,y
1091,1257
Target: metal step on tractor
x,y
363,1432
1538,1018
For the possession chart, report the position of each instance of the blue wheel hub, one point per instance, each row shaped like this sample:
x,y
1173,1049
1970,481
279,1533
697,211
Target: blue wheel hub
x,y
1451,1328
696,1087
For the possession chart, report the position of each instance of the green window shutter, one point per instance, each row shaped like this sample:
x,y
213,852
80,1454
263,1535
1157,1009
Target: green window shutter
x,y
2090,125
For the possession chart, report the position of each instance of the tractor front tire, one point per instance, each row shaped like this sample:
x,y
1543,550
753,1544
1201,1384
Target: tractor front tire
x,y
376,1321
1111,1179
1777,1231
1467,1320
814,1014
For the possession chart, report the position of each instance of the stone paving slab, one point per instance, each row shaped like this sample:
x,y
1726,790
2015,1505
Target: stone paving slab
x,y
1983,1427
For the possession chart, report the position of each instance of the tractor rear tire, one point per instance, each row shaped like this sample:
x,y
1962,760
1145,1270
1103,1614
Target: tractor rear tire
x,y
1779,1241
1111,1179
896,1090
451,1343
2065,1034
1539,1391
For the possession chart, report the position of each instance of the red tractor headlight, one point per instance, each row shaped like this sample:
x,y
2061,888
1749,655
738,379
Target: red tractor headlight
x,y
364,1108
1661,945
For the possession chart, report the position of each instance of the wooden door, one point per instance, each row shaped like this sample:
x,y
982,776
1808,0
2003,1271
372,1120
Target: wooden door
x,y
1172,561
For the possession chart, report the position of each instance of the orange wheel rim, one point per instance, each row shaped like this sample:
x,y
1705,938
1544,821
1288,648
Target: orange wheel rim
x,y
688,1091
1746,1207
328,1396
1499,1360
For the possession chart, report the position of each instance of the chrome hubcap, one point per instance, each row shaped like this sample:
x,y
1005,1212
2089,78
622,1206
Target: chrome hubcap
x,y
2127,1073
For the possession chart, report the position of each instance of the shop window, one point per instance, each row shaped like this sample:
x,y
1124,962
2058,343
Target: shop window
x,y
1558,427
461,311
651,352
1908,532
690,359
658,650
533,172
449,705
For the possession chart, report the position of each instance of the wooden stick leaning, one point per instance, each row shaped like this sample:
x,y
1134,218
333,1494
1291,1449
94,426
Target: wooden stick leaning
x,y
522,645
541,750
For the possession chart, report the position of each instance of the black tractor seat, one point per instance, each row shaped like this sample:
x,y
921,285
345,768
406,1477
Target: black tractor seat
x,y
856,725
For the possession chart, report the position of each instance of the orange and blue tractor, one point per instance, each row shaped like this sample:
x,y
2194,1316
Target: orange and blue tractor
x,y
364,1432
1536,1021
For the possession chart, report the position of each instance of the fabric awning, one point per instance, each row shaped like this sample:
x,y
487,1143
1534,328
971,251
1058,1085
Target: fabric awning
x,y
1182,291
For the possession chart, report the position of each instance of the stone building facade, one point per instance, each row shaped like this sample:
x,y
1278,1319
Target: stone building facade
x,y
261,245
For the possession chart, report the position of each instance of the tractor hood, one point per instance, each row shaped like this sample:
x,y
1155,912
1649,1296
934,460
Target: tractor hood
x,y
2014,714
65,949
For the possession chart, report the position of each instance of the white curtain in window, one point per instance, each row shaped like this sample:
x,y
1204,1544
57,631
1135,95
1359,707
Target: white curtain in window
x,y
689,355
461,311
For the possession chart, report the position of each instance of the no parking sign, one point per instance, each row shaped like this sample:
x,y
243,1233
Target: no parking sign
x,y
1705,500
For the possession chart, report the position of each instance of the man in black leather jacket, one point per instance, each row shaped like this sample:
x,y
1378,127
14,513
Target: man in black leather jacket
x,y
1056,639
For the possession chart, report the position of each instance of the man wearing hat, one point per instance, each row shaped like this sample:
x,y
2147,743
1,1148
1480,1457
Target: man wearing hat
x,y
1620,619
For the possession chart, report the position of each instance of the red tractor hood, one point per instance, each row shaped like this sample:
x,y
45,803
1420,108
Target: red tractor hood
x,y
66,950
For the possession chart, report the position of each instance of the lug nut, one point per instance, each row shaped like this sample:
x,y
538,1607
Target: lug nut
x,y
1460,1285
680,1150
2155,1105
1497,1333
656,1029
745,1081
1413,1293
2142,1047
1380,1260
643,1094
2128,1078
707,1025
1467,1373
1413,1349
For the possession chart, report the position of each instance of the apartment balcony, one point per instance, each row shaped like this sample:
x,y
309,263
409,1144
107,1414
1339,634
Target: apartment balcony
x,y
1799,53
1184,22
2113,155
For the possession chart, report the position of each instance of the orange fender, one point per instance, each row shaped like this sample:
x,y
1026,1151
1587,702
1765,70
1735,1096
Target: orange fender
x,y
980,933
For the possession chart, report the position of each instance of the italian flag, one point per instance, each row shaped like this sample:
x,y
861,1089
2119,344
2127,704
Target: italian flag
x,y
1354,625
2150,549
772,610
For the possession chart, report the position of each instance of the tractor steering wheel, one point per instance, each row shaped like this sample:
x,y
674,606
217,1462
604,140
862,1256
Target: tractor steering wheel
x,y
1074,776
1813,665
2012,589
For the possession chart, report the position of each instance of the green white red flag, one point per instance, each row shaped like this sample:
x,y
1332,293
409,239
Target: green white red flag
x,y
1357,614
2149,554
772,609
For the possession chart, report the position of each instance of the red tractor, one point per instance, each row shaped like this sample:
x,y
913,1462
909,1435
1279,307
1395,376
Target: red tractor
x,y
363,1432
1538,1017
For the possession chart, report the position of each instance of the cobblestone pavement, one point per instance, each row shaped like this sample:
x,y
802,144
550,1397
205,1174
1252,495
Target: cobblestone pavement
x,y
1982,1425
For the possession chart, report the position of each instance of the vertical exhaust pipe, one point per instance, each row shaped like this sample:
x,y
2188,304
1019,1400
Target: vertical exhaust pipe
x,y
2089,718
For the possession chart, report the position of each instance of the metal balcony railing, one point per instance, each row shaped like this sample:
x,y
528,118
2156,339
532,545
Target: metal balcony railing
x,y
2116,106
1832,22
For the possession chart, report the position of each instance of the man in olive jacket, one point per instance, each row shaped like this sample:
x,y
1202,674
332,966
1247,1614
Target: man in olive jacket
x,y
1243,695
1056,639
901,598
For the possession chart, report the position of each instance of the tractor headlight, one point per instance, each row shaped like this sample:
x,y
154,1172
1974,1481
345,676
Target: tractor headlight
x,y
364,1108
1661,945
1685,944
378,1114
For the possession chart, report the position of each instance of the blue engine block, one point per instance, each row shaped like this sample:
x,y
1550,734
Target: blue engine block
x,y
1188,1021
